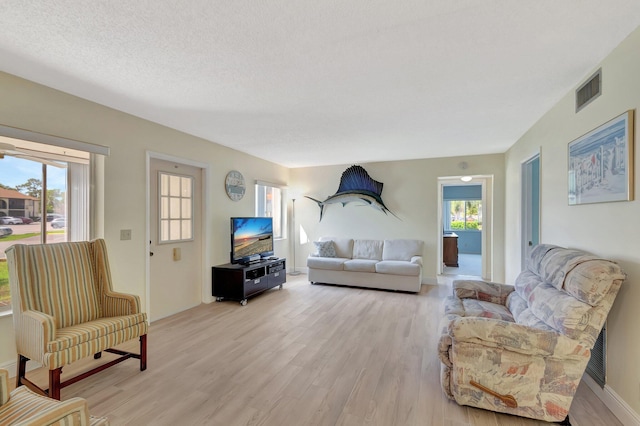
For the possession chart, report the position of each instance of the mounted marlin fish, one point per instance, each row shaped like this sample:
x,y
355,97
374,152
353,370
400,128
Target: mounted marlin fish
x,y
356,185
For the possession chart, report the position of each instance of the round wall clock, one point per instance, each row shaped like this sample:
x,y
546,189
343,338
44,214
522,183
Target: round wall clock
x,y
234,185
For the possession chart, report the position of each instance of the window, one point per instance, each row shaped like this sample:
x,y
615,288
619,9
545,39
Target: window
x,y
44,198
269,203
463,215
176,208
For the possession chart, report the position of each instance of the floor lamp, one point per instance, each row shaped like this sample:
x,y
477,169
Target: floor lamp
x,y
293,219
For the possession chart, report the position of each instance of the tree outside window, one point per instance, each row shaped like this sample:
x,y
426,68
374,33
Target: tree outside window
x,y
463,215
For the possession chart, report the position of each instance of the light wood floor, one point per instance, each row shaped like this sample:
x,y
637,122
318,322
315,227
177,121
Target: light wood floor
x,y
304,355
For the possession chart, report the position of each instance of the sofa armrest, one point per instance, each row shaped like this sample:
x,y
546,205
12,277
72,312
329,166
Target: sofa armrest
x,y
117,304
516,338
417,260
482,290
33,333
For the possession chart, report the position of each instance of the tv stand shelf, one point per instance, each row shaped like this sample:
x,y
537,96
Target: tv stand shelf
x,y
235,281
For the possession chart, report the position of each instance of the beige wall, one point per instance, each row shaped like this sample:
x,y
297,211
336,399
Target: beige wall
x,y
608,229
410,191
34,107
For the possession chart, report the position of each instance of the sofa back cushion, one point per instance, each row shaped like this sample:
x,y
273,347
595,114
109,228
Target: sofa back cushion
x,y
590,281
342,246
367,249
402,249
569,290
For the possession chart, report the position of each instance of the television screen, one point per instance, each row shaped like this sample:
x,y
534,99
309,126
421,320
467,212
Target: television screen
x,y
251,237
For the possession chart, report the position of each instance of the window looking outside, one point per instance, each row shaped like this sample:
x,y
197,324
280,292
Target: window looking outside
x,y
463,215
176,208
63,213
269,204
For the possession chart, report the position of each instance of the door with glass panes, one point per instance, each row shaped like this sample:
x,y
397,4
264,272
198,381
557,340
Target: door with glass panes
x,y
175,282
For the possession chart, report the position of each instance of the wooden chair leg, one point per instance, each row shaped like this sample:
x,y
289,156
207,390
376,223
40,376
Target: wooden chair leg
x,y
54,383
143,352
22,369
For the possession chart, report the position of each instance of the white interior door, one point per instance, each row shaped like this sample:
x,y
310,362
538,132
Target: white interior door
x,y
175,246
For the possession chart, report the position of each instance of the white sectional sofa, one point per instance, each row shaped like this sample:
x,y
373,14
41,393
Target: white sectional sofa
x,y
383,264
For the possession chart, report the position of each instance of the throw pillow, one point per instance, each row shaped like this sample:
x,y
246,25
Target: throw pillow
x,y
324,249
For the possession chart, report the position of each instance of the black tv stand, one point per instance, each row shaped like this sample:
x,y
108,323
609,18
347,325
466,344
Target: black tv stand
x,y
239,281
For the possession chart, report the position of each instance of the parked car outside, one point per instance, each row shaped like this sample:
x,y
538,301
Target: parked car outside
x,y
26,220
59,223
53,216
10,220
5,230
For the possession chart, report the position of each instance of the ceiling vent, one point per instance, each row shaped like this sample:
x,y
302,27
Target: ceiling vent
x,y
590,90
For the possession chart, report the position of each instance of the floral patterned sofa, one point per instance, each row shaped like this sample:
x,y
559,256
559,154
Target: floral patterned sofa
x,y
523,349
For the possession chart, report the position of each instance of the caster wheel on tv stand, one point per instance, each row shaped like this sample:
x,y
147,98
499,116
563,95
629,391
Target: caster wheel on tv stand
x,y
243,302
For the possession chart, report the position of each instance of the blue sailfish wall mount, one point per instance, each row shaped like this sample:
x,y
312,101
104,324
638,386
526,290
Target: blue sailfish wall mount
x,y
356,186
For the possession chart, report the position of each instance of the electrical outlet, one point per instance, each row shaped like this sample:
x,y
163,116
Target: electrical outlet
x,y
125,234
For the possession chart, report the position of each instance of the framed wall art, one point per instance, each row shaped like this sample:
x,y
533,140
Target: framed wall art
x,y
601,163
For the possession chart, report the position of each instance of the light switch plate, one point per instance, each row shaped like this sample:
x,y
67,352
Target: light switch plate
x,y
125,234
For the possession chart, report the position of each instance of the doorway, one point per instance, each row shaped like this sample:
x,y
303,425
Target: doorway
x,y
465,232
175,230
530,206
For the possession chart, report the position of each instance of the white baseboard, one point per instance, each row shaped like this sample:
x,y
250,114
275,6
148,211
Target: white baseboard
x,y
429,280
612,400
12,367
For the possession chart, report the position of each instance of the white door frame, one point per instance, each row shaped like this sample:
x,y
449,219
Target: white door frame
x,y
487,220
206,244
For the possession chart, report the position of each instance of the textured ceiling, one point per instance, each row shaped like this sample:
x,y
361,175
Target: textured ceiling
x,y
303,82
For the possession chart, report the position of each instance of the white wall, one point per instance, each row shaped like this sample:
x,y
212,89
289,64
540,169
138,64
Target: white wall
x,y
611,230
410,191
34,107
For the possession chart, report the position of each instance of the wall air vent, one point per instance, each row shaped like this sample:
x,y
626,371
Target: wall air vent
x,y
597,366
590,90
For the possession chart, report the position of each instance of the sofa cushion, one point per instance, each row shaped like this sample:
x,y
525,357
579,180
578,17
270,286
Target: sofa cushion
x,y
343,246
397,267
556,262
480,308
330,263
559,310
360,265
367,249
324,249
590,281
402,249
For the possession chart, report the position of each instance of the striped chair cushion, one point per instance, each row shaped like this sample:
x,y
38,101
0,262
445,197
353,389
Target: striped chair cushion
x,y
91,330
61,281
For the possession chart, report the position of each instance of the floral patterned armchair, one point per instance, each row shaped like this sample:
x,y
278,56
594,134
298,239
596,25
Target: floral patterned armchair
x,y
523,349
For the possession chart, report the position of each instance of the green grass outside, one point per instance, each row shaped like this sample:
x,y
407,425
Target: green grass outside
x,y
5,296
16,237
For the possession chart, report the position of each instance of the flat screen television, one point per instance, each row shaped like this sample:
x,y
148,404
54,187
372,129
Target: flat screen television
x,y
251,238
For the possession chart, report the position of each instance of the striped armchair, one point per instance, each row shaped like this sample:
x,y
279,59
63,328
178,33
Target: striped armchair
x,y
64,309
26,408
